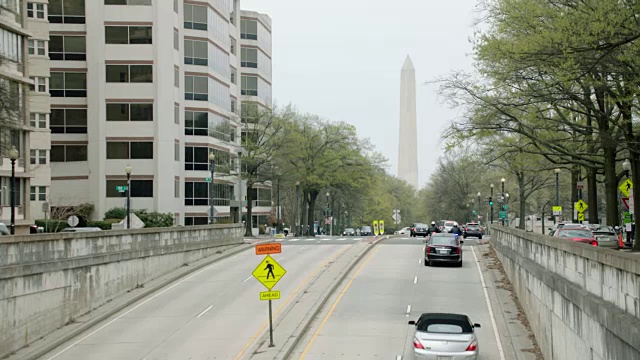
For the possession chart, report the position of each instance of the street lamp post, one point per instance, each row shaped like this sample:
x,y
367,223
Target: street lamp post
x,y
479,194
127,170
557,171
506,200
491,204
298,222
212,169
329,215
502,199
13,156
278,210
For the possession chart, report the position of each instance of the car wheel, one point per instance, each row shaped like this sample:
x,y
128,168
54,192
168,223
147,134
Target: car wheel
x,y
426,262
480,237
460,263
464,236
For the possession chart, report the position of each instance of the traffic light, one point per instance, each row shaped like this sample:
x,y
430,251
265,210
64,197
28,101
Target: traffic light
x,y
490,201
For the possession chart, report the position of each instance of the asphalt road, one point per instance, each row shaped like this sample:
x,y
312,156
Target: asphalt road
x,y
215,313
367,318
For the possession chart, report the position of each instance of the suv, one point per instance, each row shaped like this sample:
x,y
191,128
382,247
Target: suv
x,y
474,230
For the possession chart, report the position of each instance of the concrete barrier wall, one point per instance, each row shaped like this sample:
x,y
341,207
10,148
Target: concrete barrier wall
x,y
48,280
583,302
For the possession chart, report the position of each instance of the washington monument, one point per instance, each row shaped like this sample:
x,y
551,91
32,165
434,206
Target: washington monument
x,y
408,142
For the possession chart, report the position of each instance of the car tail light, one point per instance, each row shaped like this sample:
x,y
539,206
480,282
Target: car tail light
x,y
472,347
418,345
594,243
458,251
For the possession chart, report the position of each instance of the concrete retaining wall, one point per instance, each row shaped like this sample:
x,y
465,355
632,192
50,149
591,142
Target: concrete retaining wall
x,y
48,280
583,302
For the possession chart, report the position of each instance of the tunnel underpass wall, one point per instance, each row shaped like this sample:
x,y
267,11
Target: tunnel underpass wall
x,y
582,302
48,280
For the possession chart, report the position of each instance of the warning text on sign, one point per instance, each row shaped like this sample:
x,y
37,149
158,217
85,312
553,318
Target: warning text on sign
x,y
265,249
270,295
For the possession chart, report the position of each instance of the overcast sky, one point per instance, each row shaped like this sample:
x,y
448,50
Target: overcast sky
x,y
341,59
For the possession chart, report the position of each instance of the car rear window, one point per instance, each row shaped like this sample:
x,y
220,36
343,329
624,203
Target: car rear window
x,y
575,233
448,326
472,227
420,225
604,233
444,240
449,223
366,228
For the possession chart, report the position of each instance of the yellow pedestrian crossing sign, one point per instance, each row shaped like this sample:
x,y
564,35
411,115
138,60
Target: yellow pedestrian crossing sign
x,y
580,216
625,187
269,272
581,206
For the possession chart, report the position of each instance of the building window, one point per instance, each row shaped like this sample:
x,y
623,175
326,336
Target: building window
x,y
10,45
196,123
139,188
176,114
233,105
197,158
176,188
196,193
249,57
129,150
67,48
38,120
36,10
196,88
39,84
130,112
38,157
176,77
196,52
127,2
129,73
196,220
249,29
128,35
68,153
176,151
68,84
175,6
234,75
232,41
38,193
66,11
37,47
176,39
249,85
68,121
195,17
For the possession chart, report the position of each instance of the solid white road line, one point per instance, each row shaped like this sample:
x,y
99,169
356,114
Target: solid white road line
x,y
399,357
419,260
486,296
247,279
408,310
310,239
294,240
415,280
342,239
205,311
280,239
137,306
326,239
357,239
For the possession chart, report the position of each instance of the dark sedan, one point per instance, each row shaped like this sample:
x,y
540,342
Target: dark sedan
x,y
443,248
472,230
419,230
366,231
349,232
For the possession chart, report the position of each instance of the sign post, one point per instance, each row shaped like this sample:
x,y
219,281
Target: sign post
x,y
268,273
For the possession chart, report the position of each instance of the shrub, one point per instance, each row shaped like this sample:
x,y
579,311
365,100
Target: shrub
x,y
116,213
102,224
150,219
52,226
261,230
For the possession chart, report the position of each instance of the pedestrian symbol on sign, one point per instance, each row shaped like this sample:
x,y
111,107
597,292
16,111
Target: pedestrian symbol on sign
x,y
270,270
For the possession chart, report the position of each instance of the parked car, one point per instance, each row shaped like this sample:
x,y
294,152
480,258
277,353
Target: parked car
x,y
349,232
419,229
366,231
607,237
582,235
443,248
473,230
445,336
560,225
80,229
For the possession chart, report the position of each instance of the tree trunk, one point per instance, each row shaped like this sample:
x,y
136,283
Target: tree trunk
x,y
523,200
313,195
635,178
303,215
611,185
592,195
248,224
575,175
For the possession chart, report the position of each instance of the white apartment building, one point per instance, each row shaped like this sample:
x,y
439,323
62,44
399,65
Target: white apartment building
x,y
24,68
156,85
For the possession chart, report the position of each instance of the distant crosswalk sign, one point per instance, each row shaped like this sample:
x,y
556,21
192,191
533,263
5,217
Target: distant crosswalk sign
x,y
581,206
381,227
376,230
625,187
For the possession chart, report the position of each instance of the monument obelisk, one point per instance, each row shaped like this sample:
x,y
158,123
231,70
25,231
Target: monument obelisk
x,y
408,142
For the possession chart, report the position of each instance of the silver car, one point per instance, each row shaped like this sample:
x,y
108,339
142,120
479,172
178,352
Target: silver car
x,y
607,237
441,336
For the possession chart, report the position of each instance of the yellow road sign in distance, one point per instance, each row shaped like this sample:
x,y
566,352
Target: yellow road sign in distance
x,y
269,272
270,295
625,187
580,216
581,206
381,227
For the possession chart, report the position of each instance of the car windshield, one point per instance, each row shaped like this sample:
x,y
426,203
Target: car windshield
x,y
446,326
472,226
575,233
366,228
449,223
348,230
444,240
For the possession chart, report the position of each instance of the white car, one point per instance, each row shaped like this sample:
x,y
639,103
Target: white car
x,y
448,225
404,231
445,336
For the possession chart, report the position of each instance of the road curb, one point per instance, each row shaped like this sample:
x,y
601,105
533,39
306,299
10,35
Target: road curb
x,y
326,298
144,293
